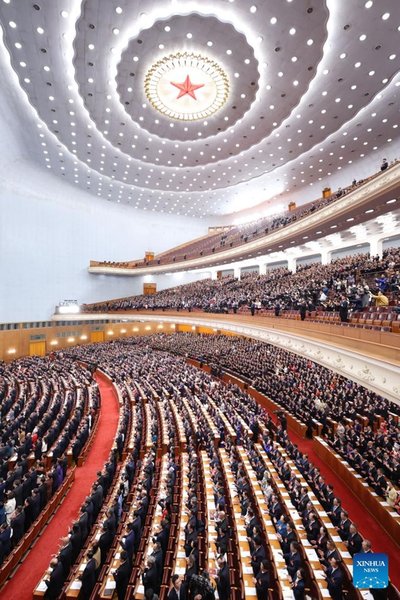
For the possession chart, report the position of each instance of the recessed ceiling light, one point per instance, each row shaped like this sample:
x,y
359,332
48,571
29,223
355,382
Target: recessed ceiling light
x,y
310,42
115,31
118,10
18,45
292,31
342,55
64,14
189,36
385,16
253,8
392,57
40,30
368,4
91,46
350,219
391,201
362,37
273,20
12,24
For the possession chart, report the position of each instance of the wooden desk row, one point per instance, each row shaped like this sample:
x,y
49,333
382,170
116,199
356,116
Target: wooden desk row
x,y
388,518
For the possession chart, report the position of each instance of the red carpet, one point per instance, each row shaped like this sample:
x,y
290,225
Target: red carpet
x,y
25,579
369,527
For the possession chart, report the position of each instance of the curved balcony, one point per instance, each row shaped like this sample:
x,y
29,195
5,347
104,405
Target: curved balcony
x,y
372,196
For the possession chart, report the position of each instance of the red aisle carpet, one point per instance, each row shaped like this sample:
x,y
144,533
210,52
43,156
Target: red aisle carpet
x,y
21,586
367,524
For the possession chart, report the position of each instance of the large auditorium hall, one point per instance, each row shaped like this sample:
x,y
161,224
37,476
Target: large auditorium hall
x,y
200,299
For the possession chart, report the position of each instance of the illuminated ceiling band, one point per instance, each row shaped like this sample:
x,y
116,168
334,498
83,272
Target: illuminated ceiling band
x,y
196,72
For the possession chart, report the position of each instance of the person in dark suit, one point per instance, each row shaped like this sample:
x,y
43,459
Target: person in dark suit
x,y
293,560
223,585
105,541
121,575
128,541
151,576
88,577
298,585
18,525
354,541
262,581
56,580
65,555
177,591
334,577
344,525
258,555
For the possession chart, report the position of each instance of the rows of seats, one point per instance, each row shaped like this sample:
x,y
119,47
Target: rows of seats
x,y
49,409
360,280
241,234
248,486
307,390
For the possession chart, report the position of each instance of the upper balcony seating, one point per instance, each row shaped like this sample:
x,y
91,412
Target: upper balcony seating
x,y
237,235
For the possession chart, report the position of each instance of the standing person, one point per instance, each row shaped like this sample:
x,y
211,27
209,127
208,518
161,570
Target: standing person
x,y
222,578
262,581
177,592
121,575
344,310
303,310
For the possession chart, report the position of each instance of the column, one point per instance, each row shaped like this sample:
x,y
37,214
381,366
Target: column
x,y
326,257
292,264
262,269
213,274
236,273
376,247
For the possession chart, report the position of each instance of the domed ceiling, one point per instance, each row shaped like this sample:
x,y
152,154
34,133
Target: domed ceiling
x,y
204,108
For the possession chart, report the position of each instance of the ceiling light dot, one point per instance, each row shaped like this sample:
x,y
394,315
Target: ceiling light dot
x,y
385,16
167,28
371,73
342,55
229,52
292,31
64,14
18,45
368,4
310,42
273,20
189,36
357,65
118,10
46,68
91,46
246,61
209,43
40,30
362,37
392,57
12,24
294,59
115,31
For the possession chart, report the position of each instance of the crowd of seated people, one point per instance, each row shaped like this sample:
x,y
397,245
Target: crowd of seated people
x,y
218,419
309,391
241,234
358,280
47,408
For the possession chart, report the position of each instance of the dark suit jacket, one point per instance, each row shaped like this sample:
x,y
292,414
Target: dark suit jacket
x,y
151,579
223,585
121,577
88,579
262,585
298,590
55,582
335,580
65,557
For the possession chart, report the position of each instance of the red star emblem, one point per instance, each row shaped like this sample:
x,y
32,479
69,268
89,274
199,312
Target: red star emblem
x,y
187,87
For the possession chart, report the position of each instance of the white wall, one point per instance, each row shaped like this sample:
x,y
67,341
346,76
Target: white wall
x,y
46,245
